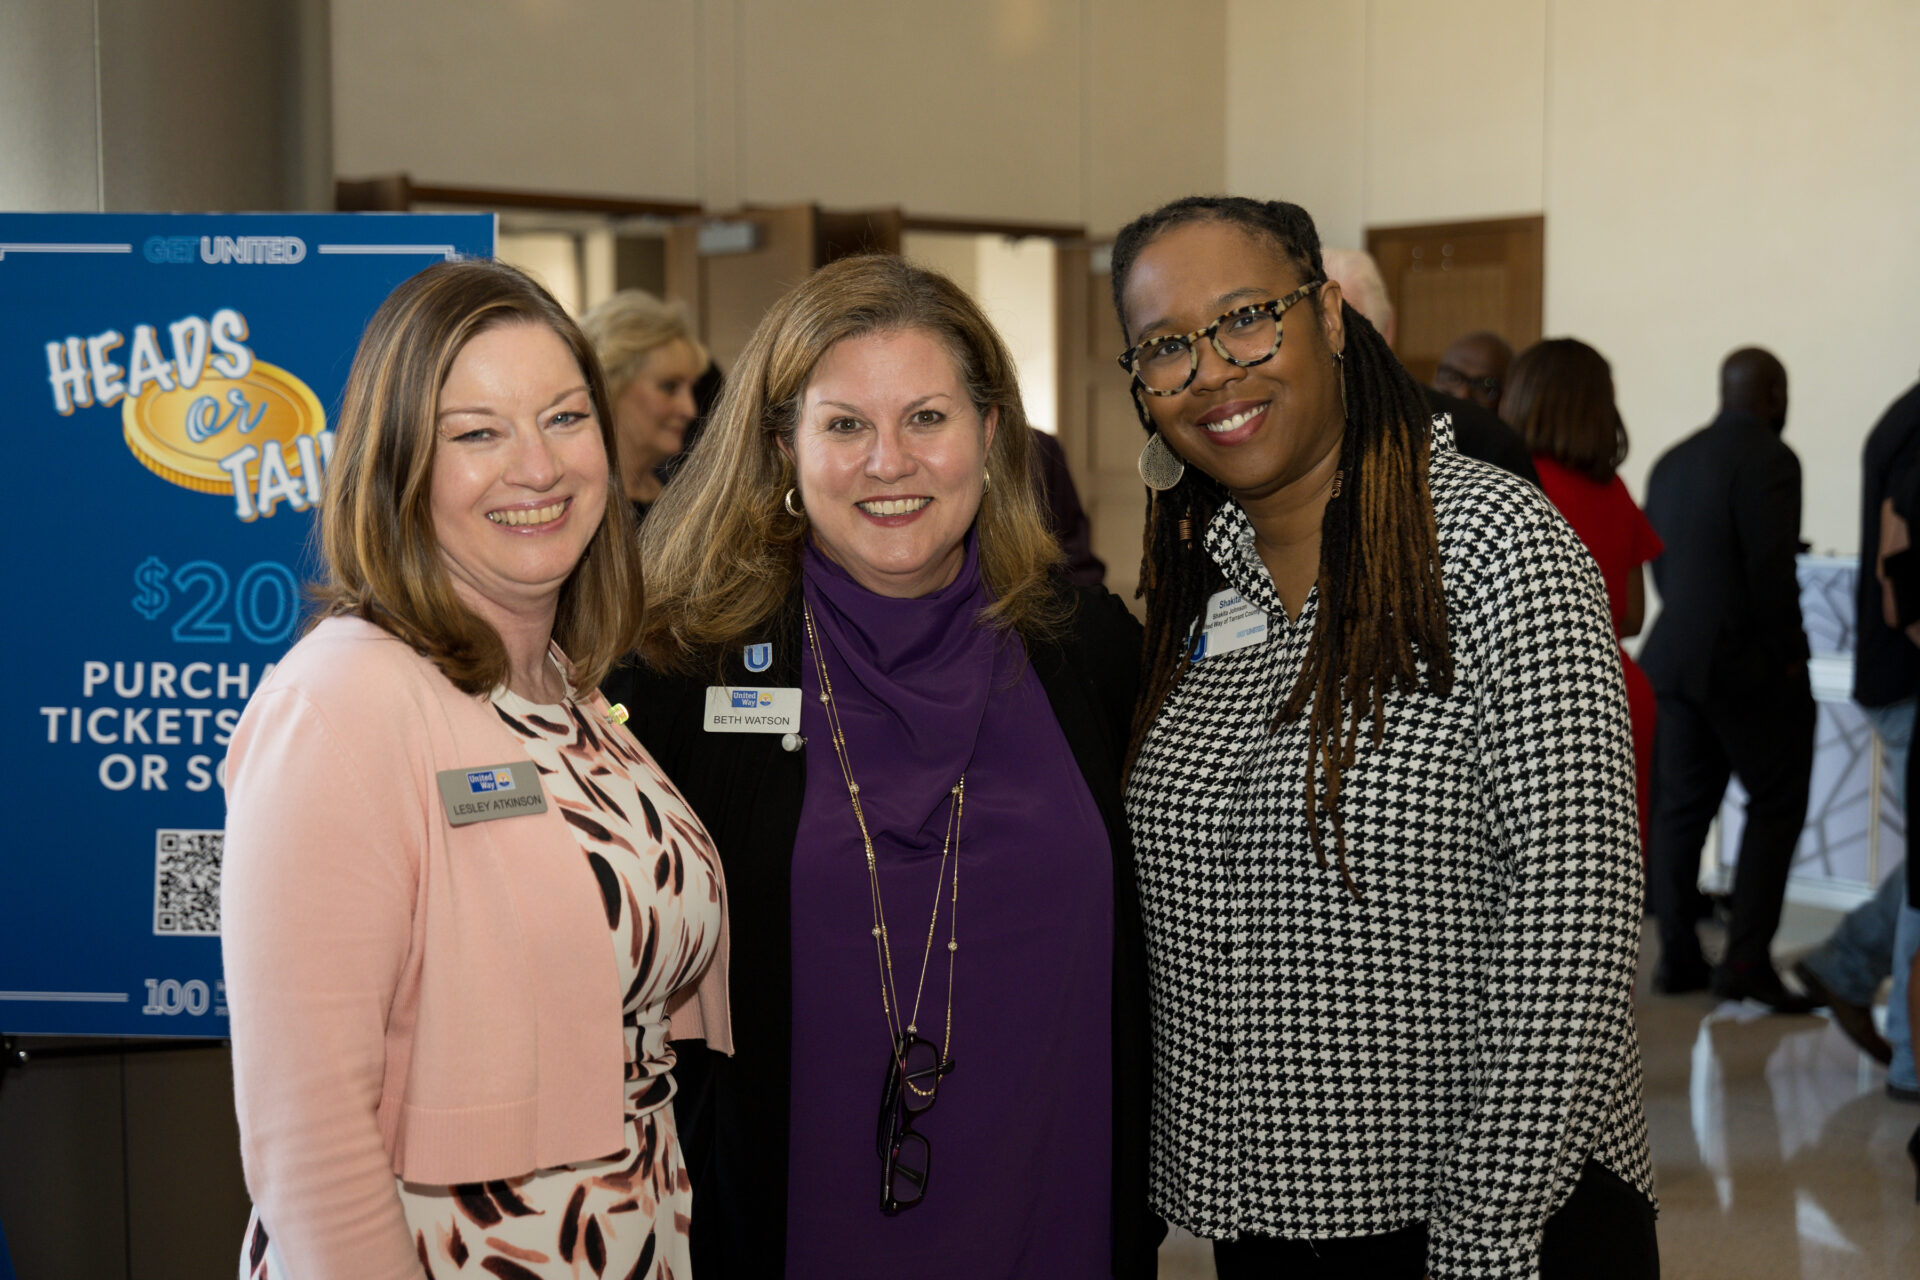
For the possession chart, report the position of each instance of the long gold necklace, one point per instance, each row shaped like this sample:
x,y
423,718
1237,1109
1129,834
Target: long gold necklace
x,y
950,845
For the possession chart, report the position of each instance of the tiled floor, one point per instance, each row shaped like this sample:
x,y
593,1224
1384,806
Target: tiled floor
x,y
1778,1154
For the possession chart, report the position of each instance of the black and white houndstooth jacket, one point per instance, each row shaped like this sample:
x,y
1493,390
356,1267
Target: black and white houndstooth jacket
x,y
1455,1047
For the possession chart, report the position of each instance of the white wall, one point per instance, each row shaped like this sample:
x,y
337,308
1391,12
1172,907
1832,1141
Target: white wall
x,y
1036,110
1713,173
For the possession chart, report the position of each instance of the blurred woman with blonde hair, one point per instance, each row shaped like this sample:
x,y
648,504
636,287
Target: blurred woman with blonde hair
x,y
653,361
906,734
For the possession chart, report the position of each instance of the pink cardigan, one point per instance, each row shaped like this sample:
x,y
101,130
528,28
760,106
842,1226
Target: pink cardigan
x,y
408,998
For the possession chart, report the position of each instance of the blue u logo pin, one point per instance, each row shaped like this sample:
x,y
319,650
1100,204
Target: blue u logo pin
x,y
758,657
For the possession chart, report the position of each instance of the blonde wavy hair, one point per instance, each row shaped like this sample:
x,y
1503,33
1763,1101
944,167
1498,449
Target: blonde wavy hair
x,y
631,325
720,553
376,533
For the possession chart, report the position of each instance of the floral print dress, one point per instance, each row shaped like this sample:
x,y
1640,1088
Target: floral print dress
x,y
626,1216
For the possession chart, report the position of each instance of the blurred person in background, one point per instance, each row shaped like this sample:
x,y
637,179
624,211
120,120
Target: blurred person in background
x,y
1559,397
1846,970
1727,657
1477,432
1474,367
653,365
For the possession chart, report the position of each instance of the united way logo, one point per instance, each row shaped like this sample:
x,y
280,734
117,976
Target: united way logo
x,y
749,698
482,781
759,657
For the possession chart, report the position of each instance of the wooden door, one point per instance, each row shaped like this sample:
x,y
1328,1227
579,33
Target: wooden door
x,y
730,291
1098,428
1452,278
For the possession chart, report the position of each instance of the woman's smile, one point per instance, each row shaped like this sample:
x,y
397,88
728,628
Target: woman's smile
x,y
1234,422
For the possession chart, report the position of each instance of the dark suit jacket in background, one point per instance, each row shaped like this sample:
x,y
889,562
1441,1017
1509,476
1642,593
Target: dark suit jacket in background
x,y
1726,501
1064,512
732,1114
1479,433
1886,666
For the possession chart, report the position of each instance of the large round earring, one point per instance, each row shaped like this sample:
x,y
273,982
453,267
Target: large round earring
x,y
792,510
1160,467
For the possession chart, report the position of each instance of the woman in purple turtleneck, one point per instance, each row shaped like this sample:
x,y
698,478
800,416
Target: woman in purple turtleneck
x,y
905,734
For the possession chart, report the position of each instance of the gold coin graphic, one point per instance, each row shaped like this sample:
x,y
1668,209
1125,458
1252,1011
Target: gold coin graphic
x,y
181,435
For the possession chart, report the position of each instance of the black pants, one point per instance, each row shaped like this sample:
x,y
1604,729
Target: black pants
x,y
1603,1232
1764,735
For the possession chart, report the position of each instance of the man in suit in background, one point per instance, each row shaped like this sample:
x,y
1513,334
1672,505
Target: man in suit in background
x,y
1846,970
1474,367
1477,432
1728,660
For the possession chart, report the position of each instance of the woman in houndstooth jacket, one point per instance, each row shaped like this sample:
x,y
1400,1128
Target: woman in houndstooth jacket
x,y
1381,788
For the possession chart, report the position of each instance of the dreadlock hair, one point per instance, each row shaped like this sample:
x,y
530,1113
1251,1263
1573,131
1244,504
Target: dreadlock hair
x,y
1381,626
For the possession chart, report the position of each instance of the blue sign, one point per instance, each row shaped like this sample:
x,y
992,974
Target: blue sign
x,y
170,381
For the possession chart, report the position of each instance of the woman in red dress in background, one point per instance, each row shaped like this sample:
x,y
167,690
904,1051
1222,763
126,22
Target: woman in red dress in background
x,y
1559,397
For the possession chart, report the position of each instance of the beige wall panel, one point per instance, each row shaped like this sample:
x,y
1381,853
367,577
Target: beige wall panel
x,y
1737,172
960,110
49,117
1156,101
1296,72
594,96
1456,101
236,140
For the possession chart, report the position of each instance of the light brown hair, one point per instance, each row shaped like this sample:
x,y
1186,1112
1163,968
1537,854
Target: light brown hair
x,y
383,560
1559,397
722,555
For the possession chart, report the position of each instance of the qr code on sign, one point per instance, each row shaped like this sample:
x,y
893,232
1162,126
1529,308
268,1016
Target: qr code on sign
x,y
186,883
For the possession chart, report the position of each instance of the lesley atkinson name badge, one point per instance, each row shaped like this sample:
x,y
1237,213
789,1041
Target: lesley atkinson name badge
x,y
491,791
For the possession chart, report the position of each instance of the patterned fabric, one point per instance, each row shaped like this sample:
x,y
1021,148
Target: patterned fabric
x,y
1453,1047
625,1216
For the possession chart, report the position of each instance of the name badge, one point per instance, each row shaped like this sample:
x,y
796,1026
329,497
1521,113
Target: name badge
x,y
733,709
1231,623
491,791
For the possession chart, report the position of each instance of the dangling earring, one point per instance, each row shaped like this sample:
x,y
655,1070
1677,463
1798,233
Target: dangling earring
x,y
986,480
792,510
1160,467
1340,371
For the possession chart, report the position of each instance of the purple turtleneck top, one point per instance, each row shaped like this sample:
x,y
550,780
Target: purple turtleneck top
x,y
1020,1182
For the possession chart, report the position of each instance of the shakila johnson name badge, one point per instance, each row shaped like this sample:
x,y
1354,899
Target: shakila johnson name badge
x,y
734,709
1231,623
491,791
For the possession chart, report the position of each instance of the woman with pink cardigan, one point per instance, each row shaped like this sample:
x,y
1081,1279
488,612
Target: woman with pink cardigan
x,y
464,912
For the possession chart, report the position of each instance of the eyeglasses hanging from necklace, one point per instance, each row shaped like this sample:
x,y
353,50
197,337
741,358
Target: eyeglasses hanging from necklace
x,y
915,1064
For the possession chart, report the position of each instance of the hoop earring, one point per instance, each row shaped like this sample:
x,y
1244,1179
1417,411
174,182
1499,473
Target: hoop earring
x,y
1340,371
795,512
1160,467
986,480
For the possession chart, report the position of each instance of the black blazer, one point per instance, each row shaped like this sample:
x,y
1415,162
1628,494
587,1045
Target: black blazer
x,y
1726,501
732,1113
1479,433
